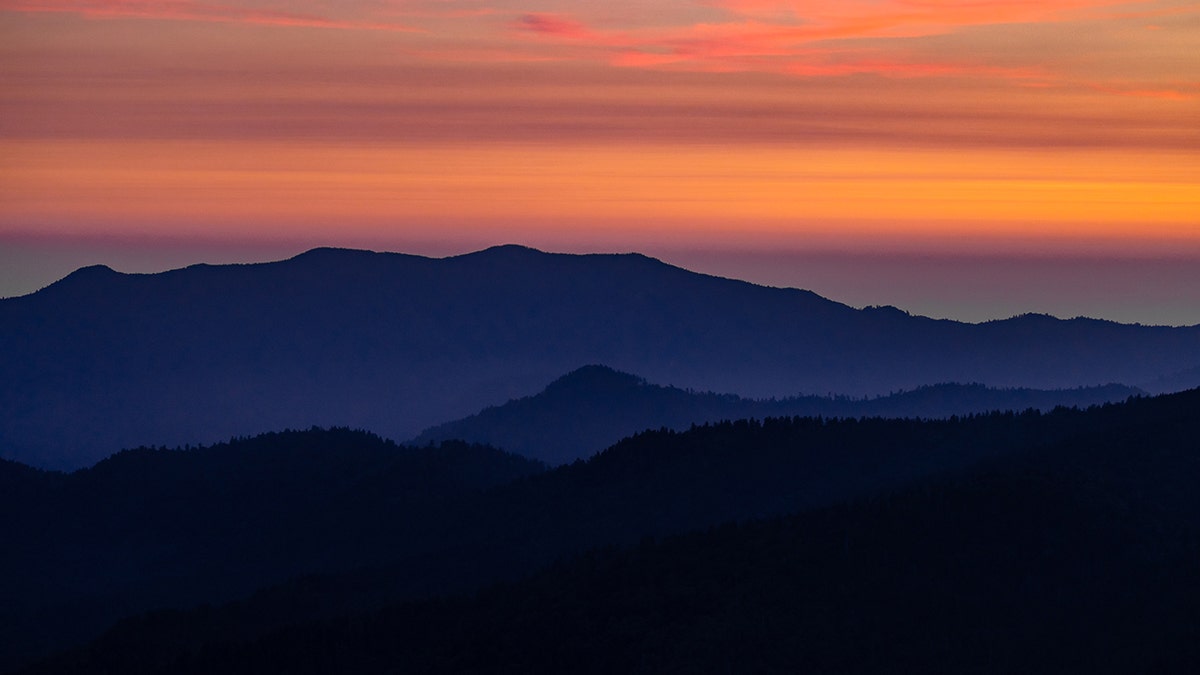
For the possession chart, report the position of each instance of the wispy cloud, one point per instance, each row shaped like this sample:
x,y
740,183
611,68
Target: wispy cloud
x,y
906,16
1162,94
187,10
891,38
751,45
556,26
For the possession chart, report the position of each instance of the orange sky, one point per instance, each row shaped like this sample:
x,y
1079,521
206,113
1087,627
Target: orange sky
x,y
995,127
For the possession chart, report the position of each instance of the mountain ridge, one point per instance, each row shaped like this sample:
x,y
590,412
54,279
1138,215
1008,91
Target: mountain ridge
x,y
970,526
594,406
151,527
509,253
397,343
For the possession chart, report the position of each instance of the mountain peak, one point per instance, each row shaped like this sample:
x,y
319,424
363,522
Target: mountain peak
x,y
513,249
92,272
85,278
1033,318
591,379
886,310
505,252
519,253
332,253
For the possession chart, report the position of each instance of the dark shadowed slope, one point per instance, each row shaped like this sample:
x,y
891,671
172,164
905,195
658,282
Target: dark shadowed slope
x,y
1079,555
1185,379
396,343
159,528
151,528
593,407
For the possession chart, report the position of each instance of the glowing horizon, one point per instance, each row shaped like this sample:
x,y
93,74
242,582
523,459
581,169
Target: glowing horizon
x,y
892,127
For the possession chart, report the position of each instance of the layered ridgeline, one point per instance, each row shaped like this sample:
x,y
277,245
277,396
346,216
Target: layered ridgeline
x,y
174,528
1060,542
593,407
397,343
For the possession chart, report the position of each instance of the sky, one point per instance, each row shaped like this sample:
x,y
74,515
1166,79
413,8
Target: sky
x,y
970,160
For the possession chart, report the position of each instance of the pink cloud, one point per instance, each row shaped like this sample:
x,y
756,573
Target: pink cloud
x,y
189,10
811,20
752,45
1162,94
554,25
943,12
1150,10
913,69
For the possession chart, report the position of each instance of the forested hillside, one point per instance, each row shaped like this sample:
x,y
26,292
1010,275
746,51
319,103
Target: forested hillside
x,y
994,541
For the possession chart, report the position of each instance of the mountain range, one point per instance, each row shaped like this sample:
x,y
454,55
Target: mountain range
x,y
589,409
151,527
1065,541
100,360
155,527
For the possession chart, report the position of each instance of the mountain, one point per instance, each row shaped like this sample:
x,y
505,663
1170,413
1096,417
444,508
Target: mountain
x,y
1066,542
100,360
593,407
1184,379
152,528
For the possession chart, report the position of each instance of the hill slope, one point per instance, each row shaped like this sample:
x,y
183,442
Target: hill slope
x,y
589,409
160,528
396,343
1078,555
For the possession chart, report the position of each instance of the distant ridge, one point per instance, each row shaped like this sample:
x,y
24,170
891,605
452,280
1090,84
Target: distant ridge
x,y
396,343
593,407
81,278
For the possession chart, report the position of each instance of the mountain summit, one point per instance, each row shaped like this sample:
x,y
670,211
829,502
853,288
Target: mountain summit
x,y
397,343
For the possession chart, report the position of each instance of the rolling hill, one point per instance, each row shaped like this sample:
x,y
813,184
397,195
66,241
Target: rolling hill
x,y
1059,542
152,527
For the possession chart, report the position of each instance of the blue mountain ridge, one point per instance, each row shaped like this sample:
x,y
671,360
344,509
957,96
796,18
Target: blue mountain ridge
x,y
396,343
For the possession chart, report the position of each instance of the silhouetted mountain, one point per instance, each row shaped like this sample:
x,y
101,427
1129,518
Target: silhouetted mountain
x,y
397,343
1075,548
164,528
593,407
1184,379
155,527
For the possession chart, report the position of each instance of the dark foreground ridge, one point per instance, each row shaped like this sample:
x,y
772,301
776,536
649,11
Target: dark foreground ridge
x,y
1058,542
397,343
160,528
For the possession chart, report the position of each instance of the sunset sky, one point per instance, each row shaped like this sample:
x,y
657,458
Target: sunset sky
x,y
969,159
